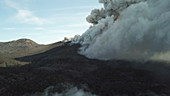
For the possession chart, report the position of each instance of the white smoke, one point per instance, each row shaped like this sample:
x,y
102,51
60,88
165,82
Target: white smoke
x,y
80,92
71,92
128,29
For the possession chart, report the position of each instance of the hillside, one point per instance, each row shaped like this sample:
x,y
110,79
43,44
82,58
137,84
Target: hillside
x,y
8,62
20,48
62,67
23,47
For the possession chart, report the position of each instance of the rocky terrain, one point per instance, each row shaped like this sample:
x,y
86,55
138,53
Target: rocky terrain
x,y
62,66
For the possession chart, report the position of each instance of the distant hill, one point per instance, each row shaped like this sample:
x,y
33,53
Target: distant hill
x,y
23,47
20,48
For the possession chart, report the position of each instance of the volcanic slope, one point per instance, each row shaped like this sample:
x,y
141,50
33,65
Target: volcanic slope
x,y
63,65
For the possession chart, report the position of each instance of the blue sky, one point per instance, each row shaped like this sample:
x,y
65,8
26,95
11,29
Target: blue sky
x,y
44,21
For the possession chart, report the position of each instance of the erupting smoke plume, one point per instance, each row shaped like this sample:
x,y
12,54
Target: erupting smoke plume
x,y
128,29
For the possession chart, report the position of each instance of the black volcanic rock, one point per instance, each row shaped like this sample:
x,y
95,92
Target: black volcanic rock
x,y
63,65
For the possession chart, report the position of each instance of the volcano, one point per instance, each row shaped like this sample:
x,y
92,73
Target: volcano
x,y
124,53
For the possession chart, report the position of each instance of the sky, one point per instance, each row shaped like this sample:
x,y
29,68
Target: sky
x,y
44,21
